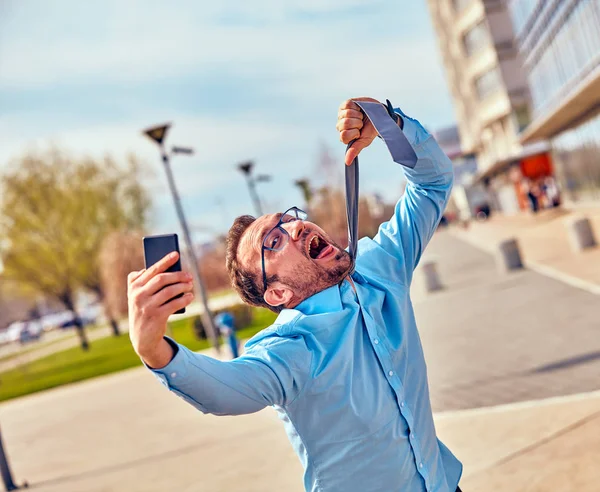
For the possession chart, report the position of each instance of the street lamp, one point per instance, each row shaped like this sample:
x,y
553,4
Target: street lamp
x,y
9,484
246,170
158,135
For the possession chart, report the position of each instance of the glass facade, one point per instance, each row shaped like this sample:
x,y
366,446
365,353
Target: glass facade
x,y
576,153
488,83
567,54
560,42
476,38
520,11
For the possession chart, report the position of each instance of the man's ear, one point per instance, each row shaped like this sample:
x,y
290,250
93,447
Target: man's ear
x,y
278,295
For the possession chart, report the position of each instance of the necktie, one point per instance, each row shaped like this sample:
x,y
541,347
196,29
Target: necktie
x,y
400,150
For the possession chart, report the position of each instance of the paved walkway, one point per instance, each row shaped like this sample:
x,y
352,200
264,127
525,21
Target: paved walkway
x,y
491,338
544,241
123,433
549,445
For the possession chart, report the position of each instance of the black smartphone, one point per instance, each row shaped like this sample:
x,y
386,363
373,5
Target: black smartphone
x,y
156,248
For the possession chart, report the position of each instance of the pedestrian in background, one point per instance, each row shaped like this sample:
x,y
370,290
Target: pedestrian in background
x,y
226,324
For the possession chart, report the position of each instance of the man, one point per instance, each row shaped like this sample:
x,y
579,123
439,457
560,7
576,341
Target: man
x,y
342,364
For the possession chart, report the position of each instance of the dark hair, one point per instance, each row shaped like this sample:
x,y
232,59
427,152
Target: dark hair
x,y
243,280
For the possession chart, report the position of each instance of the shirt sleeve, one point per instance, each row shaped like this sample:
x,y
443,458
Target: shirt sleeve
x,y
273,371
418,213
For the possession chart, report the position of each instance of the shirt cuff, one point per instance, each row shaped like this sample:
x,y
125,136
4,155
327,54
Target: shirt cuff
x,y
414,131
175,369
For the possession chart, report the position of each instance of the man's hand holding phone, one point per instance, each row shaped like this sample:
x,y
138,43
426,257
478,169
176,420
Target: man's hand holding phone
x,y
150,293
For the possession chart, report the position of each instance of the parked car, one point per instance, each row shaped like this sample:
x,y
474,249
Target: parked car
x,y
88,316
21,331
31,331
13,332
54,320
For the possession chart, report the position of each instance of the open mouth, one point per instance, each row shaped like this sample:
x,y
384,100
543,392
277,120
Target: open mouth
x,y
318,248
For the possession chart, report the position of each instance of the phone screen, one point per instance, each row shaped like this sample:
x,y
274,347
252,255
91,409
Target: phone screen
x,y
156,248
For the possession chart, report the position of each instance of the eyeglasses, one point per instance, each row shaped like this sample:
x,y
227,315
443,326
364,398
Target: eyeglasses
x,y
277,238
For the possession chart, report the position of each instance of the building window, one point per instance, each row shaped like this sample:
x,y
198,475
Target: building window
x,y
488,83
476,38
521,11
460,4
568,55
576,155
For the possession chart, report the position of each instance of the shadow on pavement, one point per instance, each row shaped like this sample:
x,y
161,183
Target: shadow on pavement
x,y
119,466
567,363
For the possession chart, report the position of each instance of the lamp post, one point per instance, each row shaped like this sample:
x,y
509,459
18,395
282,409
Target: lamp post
x,y
9,484
158,134
246,170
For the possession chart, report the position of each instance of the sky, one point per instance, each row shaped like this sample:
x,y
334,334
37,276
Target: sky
x,y
239,80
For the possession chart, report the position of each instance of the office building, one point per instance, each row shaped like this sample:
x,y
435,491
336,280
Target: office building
x,y
489,90
559,43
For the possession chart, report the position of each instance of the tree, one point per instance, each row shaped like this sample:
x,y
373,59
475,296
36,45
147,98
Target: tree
x,y
116,201
121,252
212,267
14,304
54,213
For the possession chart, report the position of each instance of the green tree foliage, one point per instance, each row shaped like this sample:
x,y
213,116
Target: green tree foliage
x,y
55,211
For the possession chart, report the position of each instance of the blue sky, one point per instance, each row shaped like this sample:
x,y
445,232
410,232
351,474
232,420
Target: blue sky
x,y
240,80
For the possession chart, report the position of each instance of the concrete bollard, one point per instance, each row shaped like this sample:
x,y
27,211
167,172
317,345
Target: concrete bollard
x,y
508,256
581,234
431,276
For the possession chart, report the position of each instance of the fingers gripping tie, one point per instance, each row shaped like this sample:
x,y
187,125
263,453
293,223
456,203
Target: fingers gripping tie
x,y
385,122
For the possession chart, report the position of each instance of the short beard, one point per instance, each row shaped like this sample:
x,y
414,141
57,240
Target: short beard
x,y
307,281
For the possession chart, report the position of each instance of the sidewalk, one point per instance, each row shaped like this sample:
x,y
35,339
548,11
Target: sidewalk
x,y
492,338
536,446
543,239
124,433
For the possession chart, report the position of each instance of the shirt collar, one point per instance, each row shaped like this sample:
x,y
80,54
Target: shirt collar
x,y
326,301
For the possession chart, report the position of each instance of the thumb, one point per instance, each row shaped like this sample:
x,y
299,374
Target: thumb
x,y
355,149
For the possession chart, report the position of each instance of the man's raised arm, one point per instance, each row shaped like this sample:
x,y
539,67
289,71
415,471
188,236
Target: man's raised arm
x,y
418,212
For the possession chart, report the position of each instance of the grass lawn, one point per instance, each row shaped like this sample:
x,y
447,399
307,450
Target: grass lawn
x,y
106,355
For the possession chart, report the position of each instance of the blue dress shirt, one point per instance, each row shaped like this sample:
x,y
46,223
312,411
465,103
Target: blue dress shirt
x,y
345,369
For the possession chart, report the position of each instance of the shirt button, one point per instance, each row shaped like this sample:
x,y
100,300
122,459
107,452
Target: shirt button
x,y
420,465
402,404
376,341
173,374
391,373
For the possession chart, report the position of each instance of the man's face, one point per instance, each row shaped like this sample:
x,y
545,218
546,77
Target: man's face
x,y
309,263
